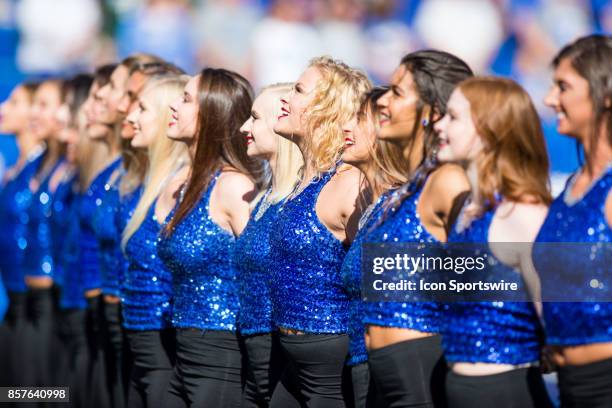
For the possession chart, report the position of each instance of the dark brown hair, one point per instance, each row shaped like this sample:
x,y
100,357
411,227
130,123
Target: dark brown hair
x,y
225,99
513,162
591,57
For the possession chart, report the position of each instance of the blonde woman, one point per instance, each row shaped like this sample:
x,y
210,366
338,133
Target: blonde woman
x,y
308,240
264,362
147,286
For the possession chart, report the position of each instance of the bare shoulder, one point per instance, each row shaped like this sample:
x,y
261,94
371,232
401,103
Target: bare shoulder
x,y
234,185
348,179
523,219
449,177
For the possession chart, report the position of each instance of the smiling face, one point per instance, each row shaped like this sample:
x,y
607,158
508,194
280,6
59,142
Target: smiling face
x,y
109,97
183,123
129,101
570,98
457,135
359,140
144,120
292,118
262,142
398,106
15,112
43,114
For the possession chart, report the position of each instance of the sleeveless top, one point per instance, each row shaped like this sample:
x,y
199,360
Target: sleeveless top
x,y
72,294
490,332
198,254
62,216
252,260
307,289
90,247
15,198
351,277
577,323
38,259
402,224
147,286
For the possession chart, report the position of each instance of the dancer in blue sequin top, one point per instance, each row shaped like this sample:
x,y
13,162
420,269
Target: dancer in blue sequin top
x,y
494,347
197,241
573,254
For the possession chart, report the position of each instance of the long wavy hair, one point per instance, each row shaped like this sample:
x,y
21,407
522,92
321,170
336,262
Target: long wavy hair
x,y
337,97
513,163
591,57
225,99
165,156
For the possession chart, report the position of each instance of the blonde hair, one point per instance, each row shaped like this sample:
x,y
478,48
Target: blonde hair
x,y
337,98
165,155
289,158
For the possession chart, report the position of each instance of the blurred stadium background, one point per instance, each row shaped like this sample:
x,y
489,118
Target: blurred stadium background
x,y
272,40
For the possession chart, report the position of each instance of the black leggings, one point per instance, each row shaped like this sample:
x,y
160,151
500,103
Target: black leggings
x,y
317,375
519,388
588,385
264,365
208,371
153,353
39,330
98,395
72,370
365,394
13,341
410,373
115,348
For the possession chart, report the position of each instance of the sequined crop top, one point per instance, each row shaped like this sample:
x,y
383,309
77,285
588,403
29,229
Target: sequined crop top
x,y
252,260
198,253
584,221
351,276
402,224
72,294
109,239
62,216
307,290
490,332
15,198
90,247
38,259
147,287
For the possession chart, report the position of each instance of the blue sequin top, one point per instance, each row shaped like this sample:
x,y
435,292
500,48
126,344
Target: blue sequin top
x,y
90,248
490,332
72,294
576,323
199,255
109,239
62,215
15,198
38,259
147,288
402,224
307,289
252,260
351,276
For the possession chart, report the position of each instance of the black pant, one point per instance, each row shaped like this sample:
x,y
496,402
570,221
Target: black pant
x,y
72,371
13,341
588,385
153,354
115,347
365,394
208,371
520,388
410,373
316,374
97,385
264,365
39,330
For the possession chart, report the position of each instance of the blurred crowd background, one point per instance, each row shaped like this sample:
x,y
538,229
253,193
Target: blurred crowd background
x,y
272,40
